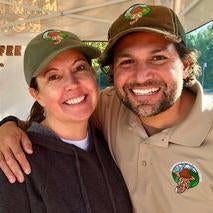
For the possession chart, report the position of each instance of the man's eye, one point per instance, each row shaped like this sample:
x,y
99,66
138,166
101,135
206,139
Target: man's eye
x,y
53,77
126,62
159,57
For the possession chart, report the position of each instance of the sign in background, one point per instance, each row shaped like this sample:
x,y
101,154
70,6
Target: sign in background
x,y
14,96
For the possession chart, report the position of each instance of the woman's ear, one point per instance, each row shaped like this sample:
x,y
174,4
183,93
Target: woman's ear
x,y
35,94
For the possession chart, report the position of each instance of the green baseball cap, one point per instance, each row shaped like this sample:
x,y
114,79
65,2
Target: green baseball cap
x,y
144,18
47,45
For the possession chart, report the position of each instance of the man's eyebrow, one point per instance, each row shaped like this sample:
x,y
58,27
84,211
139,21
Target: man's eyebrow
x,y
122,55
161,49
125,54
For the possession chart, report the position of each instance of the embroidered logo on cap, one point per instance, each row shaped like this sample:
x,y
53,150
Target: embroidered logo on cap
x,y
54,36
135,12
186,176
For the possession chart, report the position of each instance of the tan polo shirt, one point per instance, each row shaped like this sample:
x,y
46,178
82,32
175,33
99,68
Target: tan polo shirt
x,y
169,172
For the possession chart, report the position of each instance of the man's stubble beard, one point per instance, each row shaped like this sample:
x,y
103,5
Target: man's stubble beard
x,y
168,98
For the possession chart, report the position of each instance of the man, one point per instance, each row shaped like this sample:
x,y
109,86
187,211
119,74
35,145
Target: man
x,y
158,130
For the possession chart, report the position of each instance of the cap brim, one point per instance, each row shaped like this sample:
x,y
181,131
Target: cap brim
x,y
114,40
88,51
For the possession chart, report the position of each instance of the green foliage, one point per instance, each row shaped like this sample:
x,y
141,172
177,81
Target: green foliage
x,y
101,45
202,40
102,78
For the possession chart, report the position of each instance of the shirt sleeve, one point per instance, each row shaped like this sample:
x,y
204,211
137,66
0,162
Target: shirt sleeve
x,y
102,109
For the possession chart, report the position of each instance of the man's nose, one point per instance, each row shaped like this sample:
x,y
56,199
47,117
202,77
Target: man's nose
x,y
143,71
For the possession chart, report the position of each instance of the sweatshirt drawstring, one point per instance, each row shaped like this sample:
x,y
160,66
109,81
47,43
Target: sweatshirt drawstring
x,y
104,173
83,188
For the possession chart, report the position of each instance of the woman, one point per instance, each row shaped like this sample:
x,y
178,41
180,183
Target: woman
x,y
72,170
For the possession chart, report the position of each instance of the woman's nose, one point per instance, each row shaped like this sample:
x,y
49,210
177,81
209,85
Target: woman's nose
x,y
71,81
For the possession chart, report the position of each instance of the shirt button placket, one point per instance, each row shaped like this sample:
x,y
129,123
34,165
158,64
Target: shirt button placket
x,y
144,163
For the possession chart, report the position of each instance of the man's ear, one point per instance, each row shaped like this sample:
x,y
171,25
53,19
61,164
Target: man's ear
x,y
35,94
186,66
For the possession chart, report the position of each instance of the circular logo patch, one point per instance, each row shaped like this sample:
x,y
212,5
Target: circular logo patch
x,y
54,36
185,175
137,11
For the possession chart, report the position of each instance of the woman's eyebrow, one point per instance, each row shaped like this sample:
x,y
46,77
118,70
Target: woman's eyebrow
x,y
79,59
48,70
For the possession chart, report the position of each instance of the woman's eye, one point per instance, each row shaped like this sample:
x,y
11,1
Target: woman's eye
x,y
53,77
82,68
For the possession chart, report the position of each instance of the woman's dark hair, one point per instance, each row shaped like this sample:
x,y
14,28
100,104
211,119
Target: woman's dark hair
x,y
37,111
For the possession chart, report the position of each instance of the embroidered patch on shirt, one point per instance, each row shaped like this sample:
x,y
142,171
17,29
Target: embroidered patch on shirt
x,y
137,11
54,36
185,175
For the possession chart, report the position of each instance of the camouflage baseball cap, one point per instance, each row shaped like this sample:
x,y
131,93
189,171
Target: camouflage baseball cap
x,y
47,45
148,18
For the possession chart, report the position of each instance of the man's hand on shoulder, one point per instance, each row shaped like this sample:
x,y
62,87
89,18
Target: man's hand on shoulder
x,y
13,143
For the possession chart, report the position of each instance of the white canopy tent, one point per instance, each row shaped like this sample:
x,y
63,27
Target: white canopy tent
x,y
88,18
21,19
